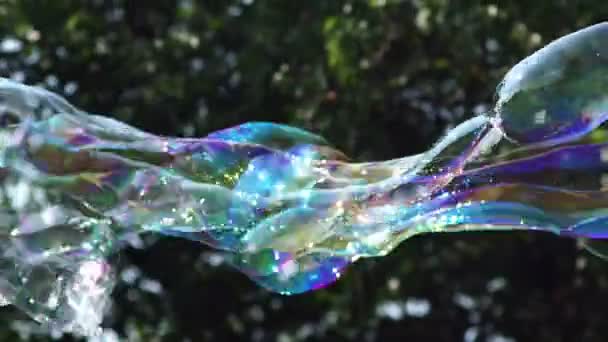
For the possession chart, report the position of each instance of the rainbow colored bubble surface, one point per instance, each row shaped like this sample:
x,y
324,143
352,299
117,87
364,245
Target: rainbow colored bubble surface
x,y
289,210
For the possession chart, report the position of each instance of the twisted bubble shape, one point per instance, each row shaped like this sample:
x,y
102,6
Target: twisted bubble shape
x,y
289,210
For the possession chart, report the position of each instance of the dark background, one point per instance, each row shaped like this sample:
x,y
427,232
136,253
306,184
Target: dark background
x,y
378,78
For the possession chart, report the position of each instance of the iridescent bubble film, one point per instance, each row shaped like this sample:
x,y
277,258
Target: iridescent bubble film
x,y
287,209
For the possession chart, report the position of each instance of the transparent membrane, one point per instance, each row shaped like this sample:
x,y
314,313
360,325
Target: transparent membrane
x,y
288,209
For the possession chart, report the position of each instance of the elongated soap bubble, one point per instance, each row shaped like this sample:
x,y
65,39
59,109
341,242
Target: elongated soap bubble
x,y
285,207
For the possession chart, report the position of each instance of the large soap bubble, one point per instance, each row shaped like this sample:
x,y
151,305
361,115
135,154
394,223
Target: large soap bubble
x,y
284,206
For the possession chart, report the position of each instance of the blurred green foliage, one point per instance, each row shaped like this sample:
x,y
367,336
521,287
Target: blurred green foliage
x,y
380,79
